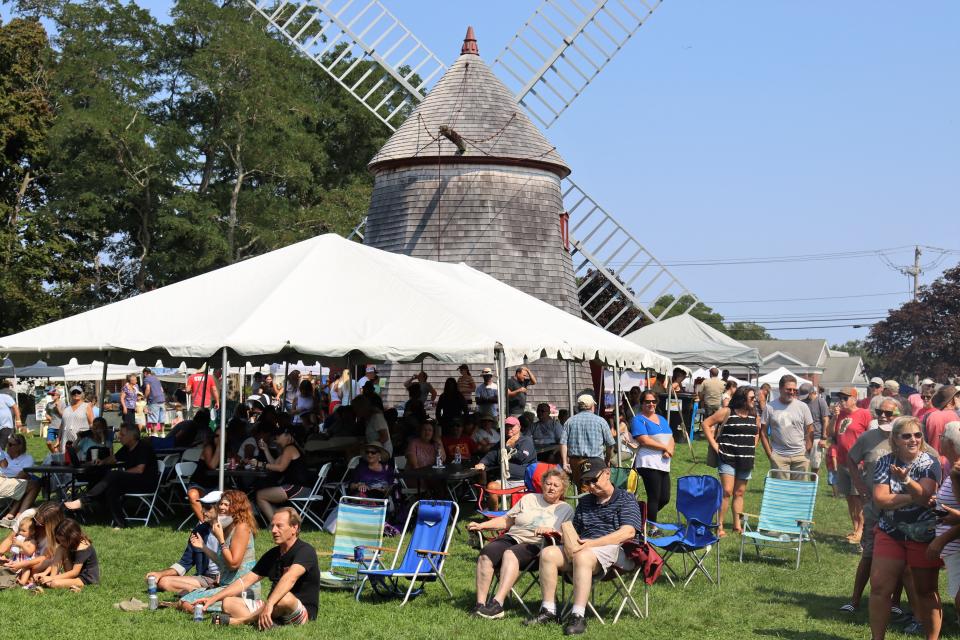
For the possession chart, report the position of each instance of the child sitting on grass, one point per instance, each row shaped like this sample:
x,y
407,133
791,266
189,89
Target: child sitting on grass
x,y
25,545
75,564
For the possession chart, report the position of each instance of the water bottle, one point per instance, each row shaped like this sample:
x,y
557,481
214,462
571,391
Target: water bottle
x,y
457,457
439,464
152,585
198,613
154,602
14,551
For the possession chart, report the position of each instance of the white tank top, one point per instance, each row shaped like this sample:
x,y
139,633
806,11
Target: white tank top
x,y
74,421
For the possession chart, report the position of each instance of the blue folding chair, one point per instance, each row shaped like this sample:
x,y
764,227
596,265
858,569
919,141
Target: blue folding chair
x,y
423,556
786,514
695,534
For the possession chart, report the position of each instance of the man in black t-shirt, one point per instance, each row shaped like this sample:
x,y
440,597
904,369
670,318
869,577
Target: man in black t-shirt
x,y
292,568
517,390
139,475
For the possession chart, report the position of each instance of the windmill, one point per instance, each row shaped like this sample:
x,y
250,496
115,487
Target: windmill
x,y
548,64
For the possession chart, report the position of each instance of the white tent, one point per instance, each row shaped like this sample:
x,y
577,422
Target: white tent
x,y
687,340
405,310
705,373
774,376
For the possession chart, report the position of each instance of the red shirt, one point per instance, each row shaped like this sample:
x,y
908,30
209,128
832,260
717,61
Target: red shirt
x,y
849,428
463,443
936,422
195,386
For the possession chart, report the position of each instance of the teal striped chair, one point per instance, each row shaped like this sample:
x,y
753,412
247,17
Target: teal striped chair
x,y
786,514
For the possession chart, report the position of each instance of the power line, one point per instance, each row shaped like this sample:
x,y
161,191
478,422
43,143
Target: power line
x,y
809,257
861,295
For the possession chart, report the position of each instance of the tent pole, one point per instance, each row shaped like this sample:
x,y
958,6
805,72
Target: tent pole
x,y
616,415
286,373
225,368
570,388
103,382
349,390
501,417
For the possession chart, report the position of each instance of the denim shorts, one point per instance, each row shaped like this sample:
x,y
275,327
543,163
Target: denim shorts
x,y
739,474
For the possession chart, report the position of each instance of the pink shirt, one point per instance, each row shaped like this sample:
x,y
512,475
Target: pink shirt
x,y
916,403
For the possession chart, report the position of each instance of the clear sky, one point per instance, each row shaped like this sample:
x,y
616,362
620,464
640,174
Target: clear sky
x,y
763,129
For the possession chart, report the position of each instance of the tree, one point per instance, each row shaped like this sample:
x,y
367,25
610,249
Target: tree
x,y
922,336
706,314
871,364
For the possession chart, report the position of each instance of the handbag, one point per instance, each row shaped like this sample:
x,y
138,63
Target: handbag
x,y
923,529
713,460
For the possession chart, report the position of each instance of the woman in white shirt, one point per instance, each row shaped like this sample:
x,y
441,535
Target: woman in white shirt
x,y
77,417
15,484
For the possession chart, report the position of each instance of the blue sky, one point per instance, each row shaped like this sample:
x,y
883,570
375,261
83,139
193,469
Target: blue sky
x,y
763,129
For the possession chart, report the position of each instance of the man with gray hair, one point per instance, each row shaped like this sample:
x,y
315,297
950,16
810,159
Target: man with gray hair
x,y
791,430
585,435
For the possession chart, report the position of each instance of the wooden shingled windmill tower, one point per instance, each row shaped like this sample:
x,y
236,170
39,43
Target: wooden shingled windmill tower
x,y
435,195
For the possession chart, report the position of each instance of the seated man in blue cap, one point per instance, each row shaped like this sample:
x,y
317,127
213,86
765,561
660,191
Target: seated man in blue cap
x,y
175,578
604,519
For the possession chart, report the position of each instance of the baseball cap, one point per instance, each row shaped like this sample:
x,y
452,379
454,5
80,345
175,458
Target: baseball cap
x,y
944,395
849,391
804,391
371,368
76,389
591,468
892,385
586,400
212,498
51,389
876,382
926,381
257,400
512,421
487,371
488,417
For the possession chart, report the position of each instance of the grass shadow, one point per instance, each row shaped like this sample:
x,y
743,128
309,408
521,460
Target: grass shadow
x,y
796,634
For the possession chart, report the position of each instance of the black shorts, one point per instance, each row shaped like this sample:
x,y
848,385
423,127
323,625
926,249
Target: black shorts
x,y
129,418
525,552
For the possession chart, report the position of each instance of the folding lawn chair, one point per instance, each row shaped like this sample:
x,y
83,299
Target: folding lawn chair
x,y
184,471
532,478
334,490
357,543
786,513
424,556
148,500
695,534
302,503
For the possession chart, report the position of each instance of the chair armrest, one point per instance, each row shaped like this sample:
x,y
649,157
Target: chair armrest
x,y
431,552
664,527
744,515
700,523
804,523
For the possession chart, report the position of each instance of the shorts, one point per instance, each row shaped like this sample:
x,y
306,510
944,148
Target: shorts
x,y
609,555
155,413
52,434
293,490
140,419
525,552
129,418
831,478
12,488
913,553
206,582
952,563
869,522
845,482
298,617
729,470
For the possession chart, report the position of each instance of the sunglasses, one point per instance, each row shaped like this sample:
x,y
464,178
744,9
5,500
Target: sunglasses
x,y
925,397
913,435
791,391
842,397
76,393
587,482
372,452
649,402
888,414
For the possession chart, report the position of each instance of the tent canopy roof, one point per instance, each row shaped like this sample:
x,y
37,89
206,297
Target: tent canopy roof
x,y
687,340
402,309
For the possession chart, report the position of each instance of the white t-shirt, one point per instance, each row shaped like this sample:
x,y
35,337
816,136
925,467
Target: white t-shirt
x,y
15,465
6,415
375,424
533,512
788,426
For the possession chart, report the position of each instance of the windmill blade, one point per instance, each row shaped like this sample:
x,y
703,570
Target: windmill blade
x,y
563,46
363,47
615,270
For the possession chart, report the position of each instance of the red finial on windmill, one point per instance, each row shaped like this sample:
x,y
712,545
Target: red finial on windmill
x,y
470,43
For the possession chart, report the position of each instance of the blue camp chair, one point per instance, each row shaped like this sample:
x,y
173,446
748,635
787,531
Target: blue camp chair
x,y
786,513
531,484
423,556
695,534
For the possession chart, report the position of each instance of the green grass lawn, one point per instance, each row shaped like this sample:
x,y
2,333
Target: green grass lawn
x,y
757,599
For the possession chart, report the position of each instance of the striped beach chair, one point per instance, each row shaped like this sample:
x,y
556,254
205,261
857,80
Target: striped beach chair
x,y
786,514
357,543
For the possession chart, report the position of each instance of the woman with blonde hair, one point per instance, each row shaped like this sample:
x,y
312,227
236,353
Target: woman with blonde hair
x,y
235,529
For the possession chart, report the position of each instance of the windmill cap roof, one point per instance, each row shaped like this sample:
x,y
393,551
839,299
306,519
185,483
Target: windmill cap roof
x,y
481,119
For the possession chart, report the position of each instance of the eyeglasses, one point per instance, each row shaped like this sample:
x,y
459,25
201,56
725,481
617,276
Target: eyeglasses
x,y
791,391
913,435
842,397
372,452
887,414
76,393
591,481
649,402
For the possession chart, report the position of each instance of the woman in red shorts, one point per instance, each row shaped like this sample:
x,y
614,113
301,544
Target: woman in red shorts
x,y
904,482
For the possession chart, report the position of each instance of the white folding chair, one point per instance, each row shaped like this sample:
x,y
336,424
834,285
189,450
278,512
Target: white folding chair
x,y
333,490
302,503
148,500
192,455
185,471
400,463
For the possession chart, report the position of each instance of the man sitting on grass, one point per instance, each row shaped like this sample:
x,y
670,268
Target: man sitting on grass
x,y
175,578
292,568
603,521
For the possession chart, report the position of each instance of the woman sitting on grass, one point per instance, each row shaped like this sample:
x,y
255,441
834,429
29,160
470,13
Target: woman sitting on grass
x,y
75,563
236,555
46,518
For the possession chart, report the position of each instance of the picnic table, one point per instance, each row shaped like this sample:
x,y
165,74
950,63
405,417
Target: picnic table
x,y
47,471
456,477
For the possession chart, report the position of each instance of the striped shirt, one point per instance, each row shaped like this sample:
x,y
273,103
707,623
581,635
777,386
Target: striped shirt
x,y
594,519
586,434
925,466
738,441
945,497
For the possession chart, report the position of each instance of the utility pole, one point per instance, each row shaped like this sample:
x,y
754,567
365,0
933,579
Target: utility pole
x,y
915,270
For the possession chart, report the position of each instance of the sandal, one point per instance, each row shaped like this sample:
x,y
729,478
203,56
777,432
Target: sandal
x,y
848,608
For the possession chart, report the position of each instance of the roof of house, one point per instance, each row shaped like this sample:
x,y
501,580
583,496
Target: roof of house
x,y
480,113
843,370
812,352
